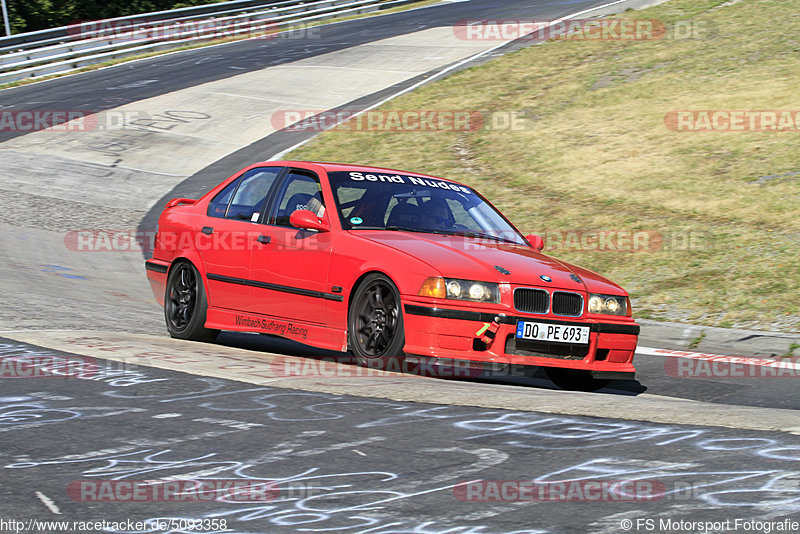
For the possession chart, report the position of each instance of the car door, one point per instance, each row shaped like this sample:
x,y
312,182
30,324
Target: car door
x,y
289,266
226,238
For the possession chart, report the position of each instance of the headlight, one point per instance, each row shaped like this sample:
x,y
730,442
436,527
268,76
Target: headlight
x,y
608,304
455,288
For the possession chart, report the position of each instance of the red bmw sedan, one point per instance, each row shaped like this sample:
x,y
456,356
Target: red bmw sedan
x,y
385,264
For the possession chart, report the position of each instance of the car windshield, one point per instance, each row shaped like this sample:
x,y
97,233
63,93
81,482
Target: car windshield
x,y
373,201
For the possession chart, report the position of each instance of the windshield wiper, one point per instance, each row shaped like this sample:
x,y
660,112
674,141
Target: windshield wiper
x,y
417,230
486,236
445,232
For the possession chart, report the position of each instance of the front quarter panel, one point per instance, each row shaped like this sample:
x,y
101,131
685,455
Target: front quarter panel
x,y
354,257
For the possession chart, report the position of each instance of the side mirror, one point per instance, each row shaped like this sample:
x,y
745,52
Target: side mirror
x,y
307,220
535,241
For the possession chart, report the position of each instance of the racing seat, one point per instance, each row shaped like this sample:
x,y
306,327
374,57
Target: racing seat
x,y
371,209
300,201
405,214
437,215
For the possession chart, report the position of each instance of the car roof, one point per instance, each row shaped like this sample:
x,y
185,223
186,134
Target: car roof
x,y
334,167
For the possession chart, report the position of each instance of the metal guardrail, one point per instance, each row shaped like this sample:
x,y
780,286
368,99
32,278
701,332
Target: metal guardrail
x,y
132,31
68,48
56,34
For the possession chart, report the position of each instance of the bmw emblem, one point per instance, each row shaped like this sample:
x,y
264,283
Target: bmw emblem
x,y
545,278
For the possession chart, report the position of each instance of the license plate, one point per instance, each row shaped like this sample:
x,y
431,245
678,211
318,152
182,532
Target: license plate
x,y
558,333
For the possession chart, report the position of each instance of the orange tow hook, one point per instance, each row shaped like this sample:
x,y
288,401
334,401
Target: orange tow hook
x,y
489,331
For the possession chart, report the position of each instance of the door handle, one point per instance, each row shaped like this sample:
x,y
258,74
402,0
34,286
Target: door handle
x,y
207,230
264,239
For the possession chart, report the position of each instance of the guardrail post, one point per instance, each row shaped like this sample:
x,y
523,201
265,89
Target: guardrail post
x,y
5,18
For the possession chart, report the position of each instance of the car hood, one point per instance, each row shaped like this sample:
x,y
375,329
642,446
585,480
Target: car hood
x,y
479,259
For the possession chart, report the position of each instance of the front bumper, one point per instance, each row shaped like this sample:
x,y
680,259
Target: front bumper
x,y
455,333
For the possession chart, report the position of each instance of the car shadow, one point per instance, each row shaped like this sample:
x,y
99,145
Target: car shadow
x,y
462,371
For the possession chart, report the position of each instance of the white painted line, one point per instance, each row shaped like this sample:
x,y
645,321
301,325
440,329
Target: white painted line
x,y
47,501
280,155
791,363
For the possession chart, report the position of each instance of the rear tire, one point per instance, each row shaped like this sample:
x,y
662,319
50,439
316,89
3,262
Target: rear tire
x,y
375,324
575,379
185,304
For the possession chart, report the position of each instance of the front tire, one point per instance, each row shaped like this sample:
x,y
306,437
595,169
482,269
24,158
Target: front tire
x,y
185,304
375,323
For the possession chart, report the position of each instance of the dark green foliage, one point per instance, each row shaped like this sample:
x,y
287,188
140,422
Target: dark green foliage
x,y
32,15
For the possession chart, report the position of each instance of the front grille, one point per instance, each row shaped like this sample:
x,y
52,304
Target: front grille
x,y
543,349
531,300
568,304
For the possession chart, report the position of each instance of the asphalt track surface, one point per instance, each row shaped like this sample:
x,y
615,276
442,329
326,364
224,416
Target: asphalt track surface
x,y
342,454
339,463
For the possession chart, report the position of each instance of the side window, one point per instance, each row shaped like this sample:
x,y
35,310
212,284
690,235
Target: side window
x,y
219,204
461,217
245,198
299,192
